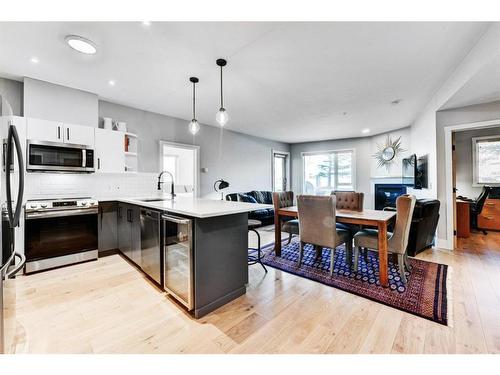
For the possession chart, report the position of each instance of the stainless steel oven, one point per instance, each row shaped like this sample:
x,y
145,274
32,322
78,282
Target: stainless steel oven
x,y
46,156
60,232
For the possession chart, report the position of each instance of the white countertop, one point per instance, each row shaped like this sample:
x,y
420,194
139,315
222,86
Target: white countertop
x,y
194,207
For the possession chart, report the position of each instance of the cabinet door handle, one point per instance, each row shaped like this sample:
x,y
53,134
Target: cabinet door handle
x,y
67,133
98,163
119,212
58,132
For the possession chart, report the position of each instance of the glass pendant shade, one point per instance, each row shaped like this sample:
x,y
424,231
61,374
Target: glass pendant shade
x,y
222,117
194,127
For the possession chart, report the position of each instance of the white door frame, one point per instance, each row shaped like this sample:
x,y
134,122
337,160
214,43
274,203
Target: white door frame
x,y
287,166
450,206
196,150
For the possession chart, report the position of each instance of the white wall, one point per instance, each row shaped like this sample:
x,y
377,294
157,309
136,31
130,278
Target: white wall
x,y
11,97
423,130
463,165
48,101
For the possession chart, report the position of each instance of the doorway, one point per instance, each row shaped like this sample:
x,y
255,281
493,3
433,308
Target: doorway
x,y
182,161
473,185
280,170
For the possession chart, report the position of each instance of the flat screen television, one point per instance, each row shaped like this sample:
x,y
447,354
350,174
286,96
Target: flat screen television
x,y
409,172
415,173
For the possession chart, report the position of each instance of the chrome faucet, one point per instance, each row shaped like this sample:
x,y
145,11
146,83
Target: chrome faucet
x,y
172,194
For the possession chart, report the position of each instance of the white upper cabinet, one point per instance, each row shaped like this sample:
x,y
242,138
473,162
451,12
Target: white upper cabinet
x,y
45,130
109,151
55,131
78,134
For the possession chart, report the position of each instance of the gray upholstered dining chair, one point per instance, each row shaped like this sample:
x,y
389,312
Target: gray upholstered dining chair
x,y
398,240
349,200
285,199
317,226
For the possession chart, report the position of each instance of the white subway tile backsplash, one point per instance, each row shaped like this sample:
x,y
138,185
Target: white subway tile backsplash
x,y
99,185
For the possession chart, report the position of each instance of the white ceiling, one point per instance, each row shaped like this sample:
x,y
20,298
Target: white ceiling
x,y
483,87
289,81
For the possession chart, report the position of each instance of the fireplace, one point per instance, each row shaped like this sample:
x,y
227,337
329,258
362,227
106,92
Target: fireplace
x,y
386,195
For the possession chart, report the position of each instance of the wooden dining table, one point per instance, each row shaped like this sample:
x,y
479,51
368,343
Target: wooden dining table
x,y
372,218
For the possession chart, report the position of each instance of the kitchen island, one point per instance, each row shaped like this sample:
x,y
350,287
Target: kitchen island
x,y
194,249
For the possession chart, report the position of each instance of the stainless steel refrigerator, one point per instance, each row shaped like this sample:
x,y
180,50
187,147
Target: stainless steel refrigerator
x,y
12,259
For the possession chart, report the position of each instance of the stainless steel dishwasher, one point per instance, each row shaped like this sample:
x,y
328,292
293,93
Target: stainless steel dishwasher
x,y
150,244
178,258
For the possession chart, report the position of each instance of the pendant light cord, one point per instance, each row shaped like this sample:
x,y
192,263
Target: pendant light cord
x,y
221,96
194,102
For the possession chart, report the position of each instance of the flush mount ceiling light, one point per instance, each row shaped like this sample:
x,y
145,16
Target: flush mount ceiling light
x,y
111,82
194,127
221,117
34,60
365,131
81,44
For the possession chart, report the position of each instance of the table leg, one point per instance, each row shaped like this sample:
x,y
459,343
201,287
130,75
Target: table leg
x,y
382,253
277,234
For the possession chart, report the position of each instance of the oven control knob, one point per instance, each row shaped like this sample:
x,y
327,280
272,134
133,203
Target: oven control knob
x,y
84,203
43,205
33,206
93,203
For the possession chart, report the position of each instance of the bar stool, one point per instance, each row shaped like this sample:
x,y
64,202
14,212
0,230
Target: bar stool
x,y
253,259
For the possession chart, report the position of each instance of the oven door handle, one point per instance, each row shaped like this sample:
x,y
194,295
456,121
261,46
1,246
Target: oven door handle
x,y
60,213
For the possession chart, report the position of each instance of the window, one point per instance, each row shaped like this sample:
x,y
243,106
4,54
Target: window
x,y
280,171
328,171
486,163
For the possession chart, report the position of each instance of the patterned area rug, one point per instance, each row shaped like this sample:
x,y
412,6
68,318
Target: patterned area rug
x,y
424,295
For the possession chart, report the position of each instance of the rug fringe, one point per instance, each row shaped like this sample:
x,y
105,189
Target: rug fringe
x,y
449,297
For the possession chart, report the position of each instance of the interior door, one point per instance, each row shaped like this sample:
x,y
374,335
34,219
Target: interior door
x,y
280,171
454,183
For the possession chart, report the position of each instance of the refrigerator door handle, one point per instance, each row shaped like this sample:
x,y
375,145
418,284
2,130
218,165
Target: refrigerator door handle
x,y
13,138
21,264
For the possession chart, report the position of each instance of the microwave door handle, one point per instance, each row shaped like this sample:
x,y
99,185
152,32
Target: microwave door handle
x,y
84,158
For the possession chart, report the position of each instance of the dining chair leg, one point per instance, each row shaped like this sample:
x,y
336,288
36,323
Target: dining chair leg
x,y
332,260
319,250
348,254
289,239
402,268
407,263
365,254
356,258
301,250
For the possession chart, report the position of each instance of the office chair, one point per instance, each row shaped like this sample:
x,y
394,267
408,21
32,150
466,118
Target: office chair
x,y
477,206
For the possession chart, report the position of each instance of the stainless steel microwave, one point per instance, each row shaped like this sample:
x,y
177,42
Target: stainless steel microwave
x,y
44,156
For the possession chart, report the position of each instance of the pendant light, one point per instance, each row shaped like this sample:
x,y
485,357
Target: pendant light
x,y
221,117
194,127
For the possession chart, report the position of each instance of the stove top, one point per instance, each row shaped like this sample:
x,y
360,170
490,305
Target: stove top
x,y
58,204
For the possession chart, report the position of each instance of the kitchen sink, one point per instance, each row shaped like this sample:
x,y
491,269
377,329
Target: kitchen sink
x,y
154,199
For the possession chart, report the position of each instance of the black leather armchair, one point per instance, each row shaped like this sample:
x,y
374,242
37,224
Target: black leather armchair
x,y
423,225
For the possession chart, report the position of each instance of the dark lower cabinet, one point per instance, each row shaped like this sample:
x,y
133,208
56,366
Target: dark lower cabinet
x,y
129,232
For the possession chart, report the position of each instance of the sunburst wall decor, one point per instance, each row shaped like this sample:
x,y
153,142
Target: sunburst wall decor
x,y
387,152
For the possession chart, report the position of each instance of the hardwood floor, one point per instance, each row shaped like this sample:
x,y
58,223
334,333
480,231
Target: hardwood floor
x,y
107,306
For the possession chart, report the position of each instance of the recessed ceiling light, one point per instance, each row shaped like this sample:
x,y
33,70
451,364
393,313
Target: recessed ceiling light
x,y
396,102
365,131
81,44
111,82
34,60
146,23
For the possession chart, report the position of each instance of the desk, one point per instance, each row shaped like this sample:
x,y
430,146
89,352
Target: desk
x,y
374,218
463,218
